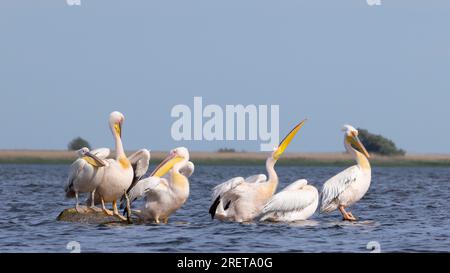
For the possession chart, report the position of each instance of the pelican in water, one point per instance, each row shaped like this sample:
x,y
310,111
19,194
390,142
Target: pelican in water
x,y
350,185
164,195
119,172
86,174
296,202
241,200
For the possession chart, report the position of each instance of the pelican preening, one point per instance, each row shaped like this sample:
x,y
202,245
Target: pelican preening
x,y
86,174
241,200
164,194
350,185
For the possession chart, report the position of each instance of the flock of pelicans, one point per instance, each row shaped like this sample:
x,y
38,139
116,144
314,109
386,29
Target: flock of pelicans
x,y
238,199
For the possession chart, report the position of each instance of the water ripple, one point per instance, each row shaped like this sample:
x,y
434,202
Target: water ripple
x,y
405,210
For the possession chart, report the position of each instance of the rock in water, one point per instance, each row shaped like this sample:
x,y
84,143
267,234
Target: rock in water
x,y
88,217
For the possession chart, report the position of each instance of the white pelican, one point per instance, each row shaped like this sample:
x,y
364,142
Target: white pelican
x,y
240,199
118,172
350,185
141,187
86,174
298,201
164,196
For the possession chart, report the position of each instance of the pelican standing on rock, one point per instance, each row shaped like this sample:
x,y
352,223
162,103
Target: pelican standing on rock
x,y
241,200
296,202
163,196
86,174
349,186
119,172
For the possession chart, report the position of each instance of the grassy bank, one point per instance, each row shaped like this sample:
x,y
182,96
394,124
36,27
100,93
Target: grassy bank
x,y
237,158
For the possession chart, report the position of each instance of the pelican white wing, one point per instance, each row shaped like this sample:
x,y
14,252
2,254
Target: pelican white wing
x,y
101,153
296,185
76,169
233,183
142,187
337,185
140,161
292,198
225,187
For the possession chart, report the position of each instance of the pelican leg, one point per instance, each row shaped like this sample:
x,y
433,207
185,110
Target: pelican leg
x,y
165,220
92,207
116,211
128,208
104,209
348,216
78,208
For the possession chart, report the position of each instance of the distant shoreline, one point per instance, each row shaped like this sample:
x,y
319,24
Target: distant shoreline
x,y
238,158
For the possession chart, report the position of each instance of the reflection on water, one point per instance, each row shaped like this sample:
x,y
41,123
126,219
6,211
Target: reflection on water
x,y
404,210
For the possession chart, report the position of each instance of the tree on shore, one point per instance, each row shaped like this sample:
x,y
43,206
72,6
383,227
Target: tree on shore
x,y
78,143
379,144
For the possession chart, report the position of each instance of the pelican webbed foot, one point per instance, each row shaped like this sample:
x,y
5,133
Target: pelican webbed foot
x,y
94,209
80,209
347,216
116,212
121,217
351,217
105,210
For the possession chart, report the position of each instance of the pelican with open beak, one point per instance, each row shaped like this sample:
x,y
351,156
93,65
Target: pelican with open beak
x,y
350,185
164,196
241,200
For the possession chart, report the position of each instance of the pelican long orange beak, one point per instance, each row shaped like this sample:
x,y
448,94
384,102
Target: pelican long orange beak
x,y
287,140
355,142
167,164
93,160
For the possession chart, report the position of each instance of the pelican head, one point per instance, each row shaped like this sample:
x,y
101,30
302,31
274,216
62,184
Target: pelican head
x,y
175,156
181,152
115,122
82,152
351,136
278,151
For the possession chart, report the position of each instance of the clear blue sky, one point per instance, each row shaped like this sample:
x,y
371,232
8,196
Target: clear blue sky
x,y
63,69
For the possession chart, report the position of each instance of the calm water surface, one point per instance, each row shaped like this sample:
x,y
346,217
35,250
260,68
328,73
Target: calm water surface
x,y
406,209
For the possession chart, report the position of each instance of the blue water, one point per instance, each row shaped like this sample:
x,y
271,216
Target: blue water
x,y
405,210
